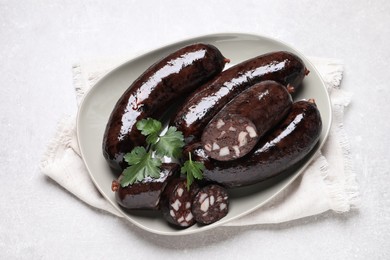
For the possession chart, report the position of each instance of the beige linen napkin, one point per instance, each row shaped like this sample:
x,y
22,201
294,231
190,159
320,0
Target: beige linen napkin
x,y
327,184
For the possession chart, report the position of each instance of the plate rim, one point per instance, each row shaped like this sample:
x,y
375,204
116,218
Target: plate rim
x,y
140,55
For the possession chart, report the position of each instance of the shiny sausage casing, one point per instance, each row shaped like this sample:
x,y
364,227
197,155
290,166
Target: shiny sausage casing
x,y
276,152
202,105
147,193
151,94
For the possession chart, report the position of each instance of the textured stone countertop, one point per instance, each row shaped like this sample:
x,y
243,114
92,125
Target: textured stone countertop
x,y
39,42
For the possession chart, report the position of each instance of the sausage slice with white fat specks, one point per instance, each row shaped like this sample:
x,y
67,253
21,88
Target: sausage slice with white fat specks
x,y
237,128
176,202
210,204
229,137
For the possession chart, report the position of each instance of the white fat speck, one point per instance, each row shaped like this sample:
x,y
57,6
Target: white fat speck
x,y
233,129
188,205
212,199
222,134
184,224
205,205
236,150
225,198
202,197
176,205
251,131
266,93
181,219
215,146
242,140
180,192
219,199
220,123
208,147
172,213
189,217
224,151
205,214
222,206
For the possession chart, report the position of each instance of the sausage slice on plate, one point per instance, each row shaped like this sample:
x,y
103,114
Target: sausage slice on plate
x,y
210,204
176,202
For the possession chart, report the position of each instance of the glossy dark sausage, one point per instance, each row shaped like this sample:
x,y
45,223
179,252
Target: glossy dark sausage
x,y
147,193
150,95
236,129
203,104
279,150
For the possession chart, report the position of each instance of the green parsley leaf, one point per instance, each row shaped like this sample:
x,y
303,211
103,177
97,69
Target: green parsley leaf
x,y
193,170
151,128
135,156
142,165
141,162
171,143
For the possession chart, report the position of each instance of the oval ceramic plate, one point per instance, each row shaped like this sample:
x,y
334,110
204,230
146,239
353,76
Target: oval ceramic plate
x,y
100,100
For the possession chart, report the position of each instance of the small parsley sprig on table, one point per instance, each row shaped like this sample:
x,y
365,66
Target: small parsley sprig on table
x,y
146,162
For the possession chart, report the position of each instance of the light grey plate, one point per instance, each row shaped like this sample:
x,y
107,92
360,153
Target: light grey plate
x,y
99,101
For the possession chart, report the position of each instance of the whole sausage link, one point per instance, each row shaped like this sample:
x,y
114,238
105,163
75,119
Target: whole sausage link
x,y
162,84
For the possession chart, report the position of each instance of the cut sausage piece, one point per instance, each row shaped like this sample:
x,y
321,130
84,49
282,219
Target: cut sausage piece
x,y
236,129
176,202
147,193
283,147
210,204
203,104
229,137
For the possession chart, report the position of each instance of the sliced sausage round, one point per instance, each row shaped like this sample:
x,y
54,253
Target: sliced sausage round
x,y
176,202
210,204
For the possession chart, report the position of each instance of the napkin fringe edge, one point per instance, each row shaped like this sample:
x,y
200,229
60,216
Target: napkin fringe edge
x,y
79,82
61,138
351,186
345,193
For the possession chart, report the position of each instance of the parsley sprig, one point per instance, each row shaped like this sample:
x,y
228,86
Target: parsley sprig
x,y
193,170
146,162
142,164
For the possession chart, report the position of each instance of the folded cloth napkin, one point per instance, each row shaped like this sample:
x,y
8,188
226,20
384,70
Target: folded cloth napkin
x,y
327,184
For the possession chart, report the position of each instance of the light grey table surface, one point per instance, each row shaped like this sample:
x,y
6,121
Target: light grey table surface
x,y
39,42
